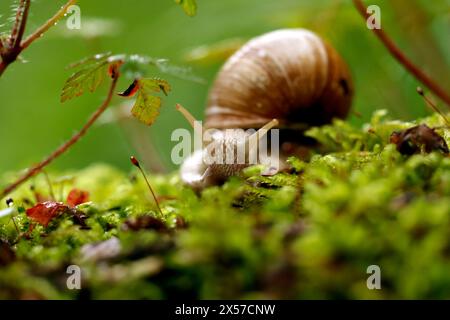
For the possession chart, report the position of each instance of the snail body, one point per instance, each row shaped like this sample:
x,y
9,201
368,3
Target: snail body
x,y
291,75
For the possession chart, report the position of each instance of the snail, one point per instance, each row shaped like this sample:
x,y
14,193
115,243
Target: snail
x,y
289,79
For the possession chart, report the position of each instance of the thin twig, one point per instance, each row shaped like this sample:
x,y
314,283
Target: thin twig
x,y
15,27
21,22
12,49
38,168
50,23
10,54
402,59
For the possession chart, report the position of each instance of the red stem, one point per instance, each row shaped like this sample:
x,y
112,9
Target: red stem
x,y
9,55
38,168
3,66
12,51
17,22
21,21
401,57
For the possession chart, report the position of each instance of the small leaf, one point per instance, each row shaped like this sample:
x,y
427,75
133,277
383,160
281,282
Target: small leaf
x,y
88,78
189,6
135,67
163,89
146,107
180,72
76,197
91,75
88,60
131,90
44,212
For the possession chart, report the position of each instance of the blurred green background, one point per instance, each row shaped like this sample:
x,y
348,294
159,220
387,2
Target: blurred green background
x,y
33,121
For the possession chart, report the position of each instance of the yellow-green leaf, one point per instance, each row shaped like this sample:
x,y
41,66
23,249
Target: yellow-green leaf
x,y
189,6
147,105
90,77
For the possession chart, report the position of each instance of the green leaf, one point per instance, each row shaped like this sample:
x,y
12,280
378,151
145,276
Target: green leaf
x,y
93,70
185,73
189,6
90,77
147,105
89,60
135,66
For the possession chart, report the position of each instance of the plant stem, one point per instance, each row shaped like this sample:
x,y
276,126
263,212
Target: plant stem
x,y
38,167
3,66
136,163
20,23
23,23
12,49
402,59
50,23
15,28
10,54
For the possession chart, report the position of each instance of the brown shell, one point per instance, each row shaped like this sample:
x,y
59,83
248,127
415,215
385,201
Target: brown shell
x,y
292,75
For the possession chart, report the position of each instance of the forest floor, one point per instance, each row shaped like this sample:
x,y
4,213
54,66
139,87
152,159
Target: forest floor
x,y
309,233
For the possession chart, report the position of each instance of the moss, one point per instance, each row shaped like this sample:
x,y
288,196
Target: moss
x,y
310,233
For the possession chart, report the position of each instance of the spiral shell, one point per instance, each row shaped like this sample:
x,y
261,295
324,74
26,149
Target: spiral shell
x,y
292,75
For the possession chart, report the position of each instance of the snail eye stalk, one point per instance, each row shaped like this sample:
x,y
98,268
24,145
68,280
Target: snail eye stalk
x,y
188,116
254,139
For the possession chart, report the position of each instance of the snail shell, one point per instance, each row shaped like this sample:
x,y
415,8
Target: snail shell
x,y
291,75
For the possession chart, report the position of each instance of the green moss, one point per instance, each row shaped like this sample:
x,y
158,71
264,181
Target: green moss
x,y
311,233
